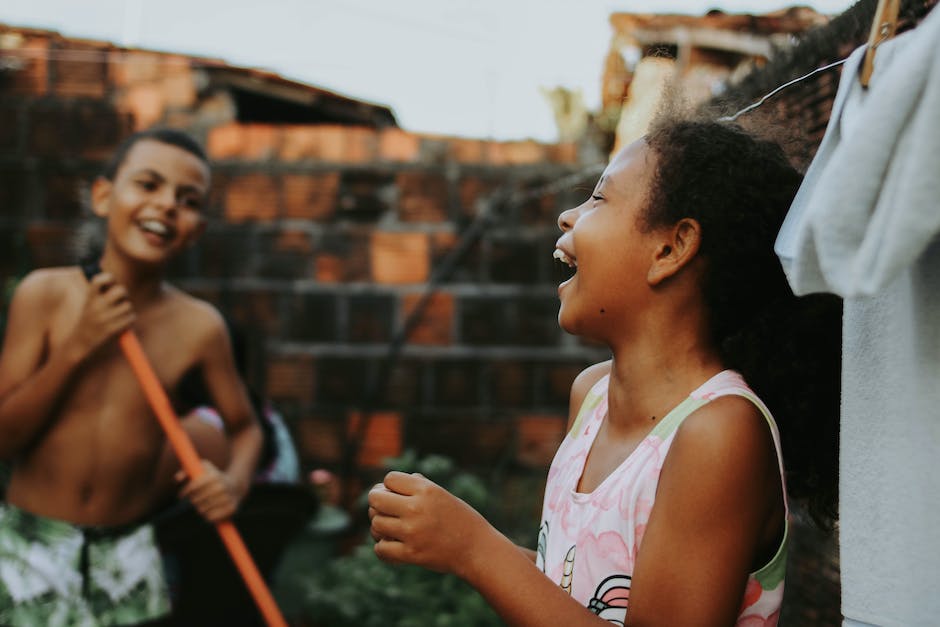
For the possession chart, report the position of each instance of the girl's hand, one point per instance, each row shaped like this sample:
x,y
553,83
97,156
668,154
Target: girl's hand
x,y
415,521
213,494
106,313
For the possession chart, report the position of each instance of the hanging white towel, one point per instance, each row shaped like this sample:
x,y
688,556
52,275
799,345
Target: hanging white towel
x,y
865,225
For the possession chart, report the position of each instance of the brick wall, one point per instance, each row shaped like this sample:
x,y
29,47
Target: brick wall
x,y
321,243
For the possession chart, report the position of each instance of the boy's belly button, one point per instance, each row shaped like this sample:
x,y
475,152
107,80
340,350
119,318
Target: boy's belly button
x,y
84,493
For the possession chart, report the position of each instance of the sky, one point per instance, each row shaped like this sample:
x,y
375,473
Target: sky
x,y
470,68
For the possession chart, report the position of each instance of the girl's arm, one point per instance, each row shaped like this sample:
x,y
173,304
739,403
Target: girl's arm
x,y
418,522
718,515
34,380
717,504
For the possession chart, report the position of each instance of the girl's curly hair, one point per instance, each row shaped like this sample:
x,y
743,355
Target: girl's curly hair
x,y
739,188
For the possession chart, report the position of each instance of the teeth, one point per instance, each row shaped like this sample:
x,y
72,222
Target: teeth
x,y
155,226
561,256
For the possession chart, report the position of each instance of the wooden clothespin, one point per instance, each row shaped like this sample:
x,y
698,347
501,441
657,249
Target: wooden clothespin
x,y
882,28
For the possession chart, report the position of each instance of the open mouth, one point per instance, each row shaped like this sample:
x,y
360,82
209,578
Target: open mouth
x,y
566,267
156,229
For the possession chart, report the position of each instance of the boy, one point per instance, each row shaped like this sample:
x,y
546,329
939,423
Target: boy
x,y
74,421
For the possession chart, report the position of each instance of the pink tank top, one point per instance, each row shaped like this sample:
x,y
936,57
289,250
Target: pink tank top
x,y
588,542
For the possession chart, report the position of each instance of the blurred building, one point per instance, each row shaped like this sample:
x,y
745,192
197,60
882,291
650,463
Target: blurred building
x,y
700,55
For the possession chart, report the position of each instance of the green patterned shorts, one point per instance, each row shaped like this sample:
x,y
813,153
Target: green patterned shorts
x,y
54,573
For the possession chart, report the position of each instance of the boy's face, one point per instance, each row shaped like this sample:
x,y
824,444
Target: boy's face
x,y
154,206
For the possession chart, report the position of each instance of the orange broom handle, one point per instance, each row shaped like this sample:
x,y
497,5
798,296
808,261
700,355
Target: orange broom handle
x,y
189,460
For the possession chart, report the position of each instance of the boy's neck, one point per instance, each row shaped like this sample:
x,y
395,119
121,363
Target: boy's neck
x,y
143,284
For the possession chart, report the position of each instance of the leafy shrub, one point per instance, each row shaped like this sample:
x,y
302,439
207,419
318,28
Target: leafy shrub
x,y
358,590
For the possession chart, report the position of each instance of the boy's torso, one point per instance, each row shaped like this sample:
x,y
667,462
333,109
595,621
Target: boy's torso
x,y
95,462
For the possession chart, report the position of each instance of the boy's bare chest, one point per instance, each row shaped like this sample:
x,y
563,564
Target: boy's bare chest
x,y
107,373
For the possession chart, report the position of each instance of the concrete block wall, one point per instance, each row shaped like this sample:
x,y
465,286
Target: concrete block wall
x,y
321,242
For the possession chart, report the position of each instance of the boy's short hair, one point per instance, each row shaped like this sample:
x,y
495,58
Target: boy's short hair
x,y
169,136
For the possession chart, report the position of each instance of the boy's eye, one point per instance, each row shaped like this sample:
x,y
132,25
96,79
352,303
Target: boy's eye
x,y
596,197
147,185
191,202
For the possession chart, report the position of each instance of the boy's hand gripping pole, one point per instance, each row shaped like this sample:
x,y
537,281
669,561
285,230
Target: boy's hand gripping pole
x,y
189,460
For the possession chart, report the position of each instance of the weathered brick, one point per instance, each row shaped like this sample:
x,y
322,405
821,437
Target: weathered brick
x,y
467,268
13,116
370,317
344,380
468,440
80,70
179,88
395,144
249,142
321,439
310,196
338,144
290,378
129,67
285,254
436,324
223,252
63,194
422,197
566,153
399,258
145,102
31,55
49,133
311,318
466,150
343,257
16,191
555,382
404,385
98,128
486,320
251,197
382,437
510,383
537,438
471,190
537,321
258,309
365,196
524,152
50,244
516,260
457,382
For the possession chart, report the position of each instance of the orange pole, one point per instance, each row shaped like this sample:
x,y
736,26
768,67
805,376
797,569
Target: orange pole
x,y
189,460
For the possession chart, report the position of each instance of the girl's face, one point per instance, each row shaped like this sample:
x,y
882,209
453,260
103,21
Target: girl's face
x,y
605,243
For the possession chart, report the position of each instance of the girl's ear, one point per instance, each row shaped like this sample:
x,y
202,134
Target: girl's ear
x,y
100,194
677,248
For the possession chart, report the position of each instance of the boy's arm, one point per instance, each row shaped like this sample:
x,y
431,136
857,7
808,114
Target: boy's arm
x,y
230,398
33,379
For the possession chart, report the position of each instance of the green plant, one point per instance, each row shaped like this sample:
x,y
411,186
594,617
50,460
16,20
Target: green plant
x,y
359,590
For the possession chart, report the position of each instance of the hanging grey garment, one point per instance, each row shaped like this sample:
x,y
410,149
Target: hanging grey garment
x,y
865,224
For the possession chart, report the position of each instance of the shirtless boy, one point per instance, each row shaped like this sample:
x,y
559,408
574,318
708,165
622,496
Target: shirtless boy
x,y
85,447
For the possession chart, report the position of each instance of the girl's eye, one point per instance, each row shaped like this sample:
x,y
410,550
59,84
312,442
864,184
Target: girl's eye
x,y
147,185
596,197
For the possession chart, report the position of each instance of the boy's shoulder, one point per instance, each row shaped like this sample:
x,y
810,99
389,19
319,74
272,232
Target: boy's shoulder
x,y
198,314
47,286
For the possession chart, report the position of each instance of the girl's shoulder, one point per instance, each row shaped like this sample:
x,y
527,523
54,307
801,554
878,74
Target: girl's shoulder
x,y
583,384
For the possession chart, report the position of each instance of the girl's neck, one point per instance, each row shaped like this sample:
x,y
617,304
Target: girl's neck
x,y
143,284
652,374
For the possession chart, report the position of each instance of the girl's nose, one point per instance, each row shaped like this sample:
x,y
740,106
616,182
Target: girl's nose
x,y
567,218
